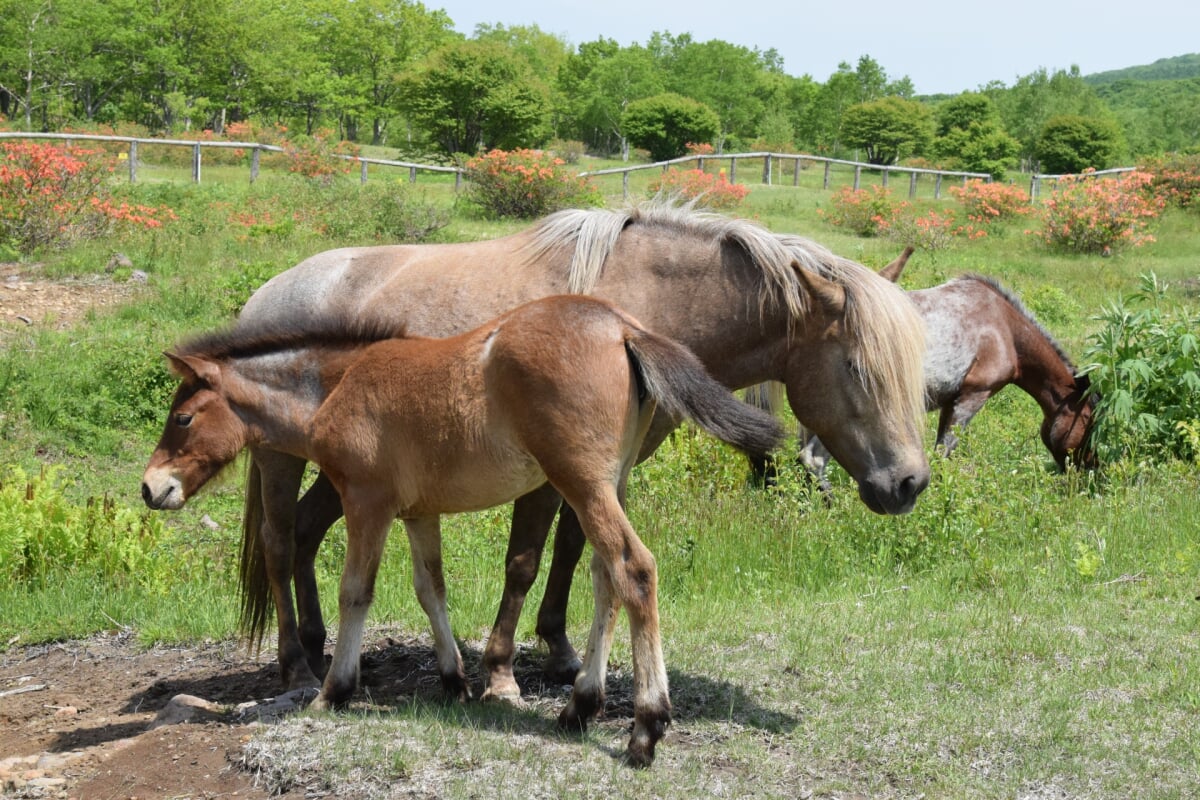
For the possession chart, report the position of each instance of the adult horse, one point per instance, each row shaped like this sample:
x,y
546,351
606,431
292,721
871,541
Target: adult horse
x,y
981,338
560,390
752,305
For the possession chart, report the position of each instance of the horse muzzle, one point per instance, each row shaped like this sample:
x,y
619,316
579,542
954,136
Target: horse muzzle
x,y
162,491
893,496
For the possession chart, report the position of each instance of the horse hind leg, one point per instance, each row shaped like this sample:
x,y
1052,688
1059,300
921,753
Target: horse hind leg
x,y
624,573
425,541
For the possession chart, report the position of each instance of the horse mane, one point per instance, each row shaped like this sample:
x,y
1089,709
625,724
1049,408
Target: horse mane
x,y
1014,301
247,341
889,330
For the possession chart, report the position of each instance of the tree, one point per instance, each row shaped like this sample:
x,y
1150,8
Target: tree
x,y
1070,143
666,123
472,95
602,80
970,138
887,129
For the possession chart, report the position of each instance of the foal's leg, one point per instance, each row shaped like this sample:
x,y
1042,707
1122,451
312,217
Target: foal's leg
x,y
425,540
367,523
280,476
533,514
319,508
955,415
623,573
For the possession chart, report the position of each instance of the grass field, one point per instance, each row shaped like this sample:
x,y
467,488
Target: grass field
x,y
1020,634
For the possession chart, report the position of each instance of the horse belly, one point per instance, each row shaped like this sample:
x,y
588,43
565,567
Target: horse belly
x,y
472,481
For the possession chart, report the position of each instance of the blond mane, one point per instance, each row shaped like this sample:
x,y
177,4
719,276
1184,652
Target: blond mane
x,y
889,331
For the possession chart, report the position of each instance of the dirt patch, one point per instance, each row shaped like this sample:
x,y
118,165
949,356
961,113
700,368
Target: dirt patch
x,y
28,300
108,718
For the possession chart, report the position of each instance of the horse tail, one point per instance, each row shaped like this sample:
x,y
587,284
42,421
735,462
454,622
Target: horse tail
x,y
678,381
257,603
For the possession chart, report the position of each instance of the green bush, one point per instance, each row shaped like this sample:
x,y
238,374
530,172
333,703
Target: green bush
x,y
666,123
1069,143
1145,365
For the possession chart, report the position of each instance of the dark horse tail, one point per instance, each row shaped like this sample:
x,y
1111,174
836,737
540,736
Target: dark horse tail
x,y
257,603
678,381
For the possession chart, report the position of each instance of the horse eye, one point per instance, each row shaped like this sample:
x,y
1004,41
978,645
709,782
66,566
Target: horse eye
x,y
183,420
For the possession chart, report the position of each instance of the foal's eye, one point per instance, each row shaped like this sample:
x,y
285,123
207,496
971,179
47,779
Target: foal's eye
x,y
183,420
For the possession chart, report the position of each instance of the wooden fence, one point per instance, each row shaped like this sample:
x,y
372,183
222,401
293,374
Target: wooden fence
x,y
772,171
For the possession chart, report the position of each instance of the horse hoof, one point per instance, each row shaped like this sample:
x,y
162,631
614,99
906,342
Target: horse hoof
x,y
562,669
509,695
639,757
570,720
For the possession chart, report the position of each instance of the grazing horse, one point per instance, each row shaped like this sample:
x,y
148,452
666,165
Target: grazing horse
x,y
981,338
752,305
560,391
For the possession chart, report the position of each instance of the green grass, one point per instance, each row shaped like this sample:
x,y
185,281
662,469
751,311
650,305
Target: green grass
x,y
1020,634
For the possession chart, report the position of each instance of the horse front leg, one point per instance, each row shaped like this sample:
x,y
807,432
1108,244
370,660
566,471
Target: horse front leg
x,y
368,518
279,484
533,514
319,509
425,541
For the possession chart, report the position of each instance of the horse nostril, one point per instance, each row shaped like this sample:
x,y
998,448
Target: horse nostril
x,y
913,485
146,495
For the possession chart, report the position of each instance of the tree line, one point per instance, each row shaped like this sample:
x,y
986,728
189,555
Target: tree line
x,y
396,73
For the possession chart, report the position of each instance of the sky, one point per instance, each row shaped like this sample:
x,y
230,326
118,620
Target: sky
x,y
944,46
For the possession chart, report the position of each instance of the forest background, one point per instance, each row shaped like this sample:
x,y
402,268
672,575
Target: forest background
x,y
395,73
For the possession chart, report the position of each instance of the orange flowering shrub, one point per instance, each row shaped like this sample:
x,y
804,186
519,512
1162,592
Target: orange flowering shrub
x,y
1177,178
51,196
986,203
932,231
525,184
710,191
864,211
1087,214
319,157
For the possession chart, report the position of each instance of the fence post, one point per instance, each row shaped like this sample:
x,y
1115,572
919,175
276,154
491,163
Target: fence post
x,y
885,179
363,171
937,187
733,170
625,184
700,164
912,186
767,170
1033,186
457,180
412,174
196,162
796,174
827,166
133,162
254,155
857,177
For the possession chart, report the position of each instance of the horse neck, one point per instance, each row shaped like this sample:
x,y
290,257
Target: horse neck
x,y
276,395
1042,372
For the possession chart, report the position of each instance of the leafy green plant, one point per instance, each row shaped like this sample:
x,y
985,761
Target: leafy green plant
x,y
525,184
43,533
1145,365
862,211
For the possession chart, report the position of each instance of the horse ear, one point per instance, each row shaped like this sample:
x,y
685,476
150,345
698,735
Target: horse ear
x,y
831,296
194,368
892,271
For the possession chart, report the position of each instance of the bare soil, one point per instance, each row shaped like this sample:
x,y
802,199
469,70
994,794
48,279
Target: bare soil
x,y
28,300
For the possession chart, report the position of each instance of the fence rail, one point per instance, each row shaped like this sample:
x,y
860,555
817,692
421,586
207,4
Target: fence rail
x,y
770,162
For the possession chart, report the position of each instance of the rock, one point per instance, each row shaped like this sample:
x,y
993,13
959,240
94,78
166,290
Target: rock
x,y
186,708
138,276
118,261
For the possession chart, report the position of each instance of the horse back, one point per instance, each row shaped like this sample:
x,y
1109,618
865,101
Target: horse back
x,y
471,421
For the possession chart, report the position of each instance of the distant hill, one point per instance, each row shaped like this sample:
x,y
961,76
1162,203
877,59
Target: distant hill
x,y
1164,69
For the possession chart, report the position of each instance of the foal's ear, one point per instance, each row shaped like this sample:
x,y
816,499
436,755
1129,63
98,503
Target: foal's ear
x,y
193,368
831,296
892,271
